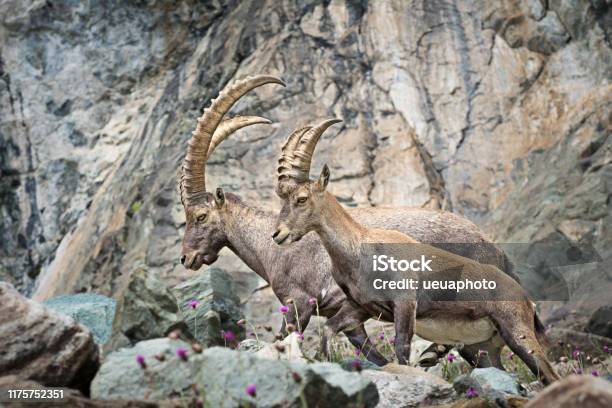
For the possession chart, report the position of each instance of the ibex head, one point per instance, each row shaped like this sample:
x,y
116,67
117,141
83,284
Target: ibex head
x,y
205,213
302,198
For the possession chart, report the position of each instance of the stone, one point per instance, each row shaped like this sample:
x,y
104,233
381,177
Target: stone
x,y
405,386
251,345
550,35
289,348
490,383
93,311
600,322
146,309
41,345
217,307
349,364
575,391
278,383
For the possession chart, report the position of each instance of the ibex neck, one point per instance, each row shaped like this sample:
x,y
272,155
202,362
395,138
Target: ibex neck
x,y
339,232
249,232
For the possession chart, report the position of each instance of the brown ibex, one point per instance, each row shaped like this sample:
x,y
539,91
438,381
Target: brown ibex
x,y
304,270
307,206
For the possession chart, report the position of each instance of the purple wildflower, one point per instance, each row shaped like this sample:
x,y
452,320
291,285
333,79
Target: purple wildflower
x,y
576,353
450,357
607,349
140,359
300,335
392,340
181,353
381,335
578,370
595,373
356,365
471,393
312,301
251,389
357,351
193,303
229,336
251,334
283,309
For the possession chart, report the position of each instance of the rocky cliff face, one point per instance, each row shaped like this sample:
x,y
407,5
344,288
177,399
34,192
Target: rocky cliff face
x,y
500,112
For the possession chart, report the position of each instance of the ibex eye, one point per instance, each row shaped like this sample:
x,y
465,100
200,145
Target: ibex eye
x,y
302,200
201,218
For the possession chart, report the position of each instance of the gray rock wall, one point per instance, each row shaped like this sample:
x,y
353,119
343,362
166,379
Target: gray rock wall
x,y
497,110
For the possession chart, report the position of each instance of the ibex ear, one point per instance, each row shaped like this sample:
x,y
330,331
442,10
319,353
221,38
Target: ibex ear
x,y
219,197
323,178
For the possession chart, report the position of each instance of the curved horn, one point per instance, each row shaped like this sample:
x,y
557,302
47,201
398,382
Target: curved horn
x,y
193,185
286,157
229,126
284,169
302,155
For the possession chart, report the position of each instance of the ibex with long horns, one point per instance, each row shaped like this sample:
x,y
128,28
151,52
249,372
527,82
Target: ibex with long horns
x,y
304,271
307,206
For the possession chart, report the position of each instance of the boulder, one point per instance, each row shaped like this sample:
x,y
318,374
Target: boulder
x,y
96,312
575,391
287,349
600,322
71,398
251,345
349,364
216,307
39,344
171,368
146,309
490,383
221,377
405,386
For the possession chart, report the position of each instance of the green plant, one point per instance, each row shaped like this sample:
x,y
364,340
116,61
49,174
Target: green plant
x,y
136,205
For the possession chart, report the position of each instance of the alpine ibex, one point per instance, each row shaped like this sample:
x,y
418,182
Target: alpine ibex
x,y
307,206
304,270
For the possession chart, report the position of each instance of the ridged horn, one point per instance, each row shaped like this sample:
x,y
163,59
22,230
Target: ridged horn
x,y
231,125
284,168
286,157
302,155
193,183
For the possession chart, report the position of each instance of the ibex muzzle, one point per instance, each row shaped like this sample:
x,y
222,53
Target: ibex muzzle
x,y
281,235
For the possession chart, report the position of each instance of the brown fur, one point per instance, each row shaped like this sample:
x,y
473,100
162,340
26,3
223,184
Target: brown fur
x,y
308,207
304,270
